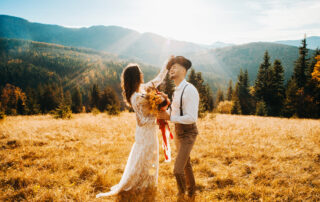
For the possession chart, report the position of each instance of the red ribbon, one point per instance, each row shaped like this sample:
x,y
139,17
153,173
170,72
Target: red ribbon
x,y
164,126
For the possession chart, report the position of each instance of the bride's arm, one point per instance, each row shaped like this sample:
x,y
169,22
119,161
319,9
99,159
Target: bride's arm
x,y
159,78
140,106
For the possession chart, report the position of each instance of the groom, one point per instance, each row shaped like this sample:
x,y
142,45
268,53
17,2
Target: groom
x,y
184,113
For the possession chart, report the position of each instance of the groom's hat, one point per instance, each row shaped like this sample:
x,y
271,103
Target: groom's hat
x,y
181,61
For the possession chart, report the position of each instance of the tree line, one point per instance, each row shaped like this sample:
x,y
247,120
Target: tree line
x,y
48,98
270,95
30,83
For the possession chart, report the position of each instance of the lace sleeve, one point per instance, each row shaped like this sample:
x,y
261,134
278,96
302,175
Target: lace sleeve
x,y
158,79
142,109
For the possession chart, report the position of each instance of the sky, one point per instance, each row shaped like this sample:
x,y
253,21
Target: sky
x,y
198,21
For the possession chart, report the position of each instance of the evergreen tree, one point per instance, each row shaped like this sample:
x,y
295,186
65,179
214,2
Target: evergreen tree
x,y
32,106
95,96
220,97
261,109
76,101
303,101
230,91
192,77
68,99
206,99
51,98
278,90
242,94
210,100
263,84
301,65
262,77
236,107
108,99
290,106
21,106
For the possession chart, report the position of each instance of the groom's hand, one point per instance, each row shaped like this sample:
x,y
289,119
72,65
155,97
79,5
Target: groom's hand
x,y
163,115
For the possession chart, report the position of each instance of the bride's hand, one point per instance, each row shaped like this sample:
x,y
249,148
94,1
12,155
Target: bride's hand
x,y
163,95
169,62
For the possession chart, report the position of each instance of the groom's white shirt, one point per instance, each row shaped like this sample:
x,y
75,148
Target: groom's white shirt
x,y
190,104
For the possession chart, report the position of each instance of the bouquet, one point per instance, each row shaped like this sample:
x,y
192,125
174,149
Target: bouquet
x,y
158,102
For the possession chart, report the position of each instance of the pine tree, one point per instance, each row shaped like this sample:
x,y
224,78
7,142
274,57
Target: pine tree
x,y
263,84
242,94
236,107
290,106
32,106
206,99
262,77
220,97
76,100
261,109
192,77
67,98
230,91
301,65
51,98
302,99
109,100
95,96
21,106
278,90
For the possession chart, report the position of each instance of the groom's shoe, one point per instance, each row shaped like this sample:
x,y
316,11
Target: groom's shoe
x,y
181,182
192,193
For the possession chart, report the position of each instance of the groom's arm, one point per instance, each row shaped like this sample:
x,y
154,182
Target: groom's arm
x,y
190,109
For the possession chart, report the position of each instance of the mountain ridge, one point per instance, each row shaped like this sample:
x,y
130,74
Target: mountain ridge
x,y
218,65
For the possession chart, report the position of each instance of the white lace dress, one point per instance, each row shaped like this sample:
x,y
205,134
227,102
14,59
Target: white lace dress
x,y
142,167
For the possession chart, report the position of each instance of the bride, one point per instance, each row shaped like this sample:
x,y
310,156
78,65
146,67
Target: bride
x,y
141,171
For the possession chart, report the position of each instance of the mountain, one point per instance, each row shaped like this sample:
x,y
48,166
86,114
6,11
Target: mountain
x,y
151,48
219,44
218,65
313,42
26,64
227,62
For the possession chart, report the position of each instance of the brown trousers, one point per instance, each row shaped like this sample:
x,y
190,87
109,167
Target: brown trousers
x,y
186,135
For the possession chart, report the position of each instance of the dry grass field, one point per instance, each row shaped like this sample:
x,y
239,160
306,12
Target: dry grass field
x,y
235,158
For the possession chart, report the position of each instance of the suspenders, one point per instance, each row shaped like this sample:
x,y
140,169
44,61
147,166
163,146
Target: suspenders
x,y
181,112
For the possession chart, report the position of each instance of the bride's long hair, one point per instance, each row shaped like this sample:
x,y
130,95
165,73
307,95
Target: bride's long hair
x,y
131,78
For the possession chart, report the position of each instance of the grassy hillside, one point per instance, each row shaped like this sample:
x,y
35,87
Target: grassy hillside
x,y
235,158
27,64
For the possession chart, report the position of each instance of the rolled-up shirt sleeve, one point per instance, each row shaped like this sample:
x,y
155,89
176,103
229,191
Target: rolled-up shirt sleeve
x,y
190,105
